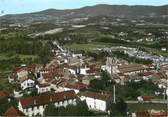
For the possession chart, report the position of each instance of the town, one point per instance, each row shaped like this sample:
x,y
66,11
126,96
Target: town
x,y
84,65
69,78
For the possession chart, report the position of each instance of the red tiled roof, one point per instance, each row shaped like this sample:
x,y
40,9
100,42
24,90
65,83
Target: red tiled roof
x,y
159,114
145,74
150,65
120,74
161,75
131,68
62,81
12,111
57,82
42,100
26,68
143,114
76,85
147,98
44,85
52,73
4,94
101,96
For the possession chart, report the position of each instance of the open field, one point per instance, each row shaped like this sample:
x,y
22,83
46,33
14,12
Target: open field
x,y
4,56
94,45
88,47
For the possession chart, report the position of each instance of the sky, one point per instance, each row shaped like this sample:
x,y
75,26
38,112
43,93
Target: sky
x,y
27,6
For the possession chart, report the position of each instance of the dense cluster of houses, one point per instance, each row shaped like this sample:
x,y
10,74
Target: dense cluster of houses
x,y
62,82
123,71
66,78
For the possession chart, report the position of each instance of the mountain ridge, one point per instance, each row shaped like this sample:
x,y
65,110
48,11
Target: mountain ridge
x,y
90,11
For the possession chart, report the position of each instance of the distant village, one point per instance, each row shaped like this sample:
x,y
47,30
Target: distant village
x,y
67,77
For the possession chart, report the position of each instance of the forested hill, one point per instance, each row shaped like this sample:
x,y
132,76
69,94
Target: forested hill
x,y
90,11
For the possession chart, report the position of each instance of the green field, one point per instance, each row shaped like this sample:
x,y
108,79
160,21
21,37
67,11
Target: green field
x,y
88,47
94,45
4,56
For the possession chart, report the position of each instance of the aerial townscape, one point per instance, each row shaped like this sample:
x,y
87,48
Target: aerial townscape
x,y
101,60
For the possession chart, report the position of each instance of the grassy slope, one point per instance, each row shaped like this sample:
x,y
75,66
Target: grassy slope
x,y
4,56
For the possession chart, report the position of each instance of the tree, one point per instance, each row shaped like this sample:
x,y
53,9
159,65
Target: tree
x,y
103,83
5,104
105,76
44,54
96,84
118,109
51,110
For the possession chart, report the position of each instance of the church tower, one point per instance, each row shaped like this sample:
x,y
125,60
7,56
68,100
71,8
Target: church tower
x,y
111,65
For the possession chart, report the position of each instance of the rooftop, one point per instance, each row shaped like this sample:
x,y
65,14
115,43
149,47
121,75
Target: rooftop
x,y
131,68
46,99
101,96
12,111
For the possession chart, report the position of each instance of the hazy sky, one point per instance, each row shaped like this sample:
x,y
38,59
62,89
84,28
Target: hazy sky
x,y
25,6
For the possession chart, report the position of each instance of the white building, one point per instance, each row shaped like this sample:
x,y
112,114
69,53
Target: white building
x,y
33,106
28,83
77,86
42,88
78,70
22,73
96,101
76,55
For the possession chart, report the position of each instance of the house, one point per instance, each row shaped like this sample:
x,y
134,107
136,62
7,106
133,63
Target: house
x,y
159,114
163,49
77,86
96,101
141,114
85,79
57,85
79,70
146,75
20,73
42,88
150,114
33,106
28,83
76,55
129,69
145,98
13,112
